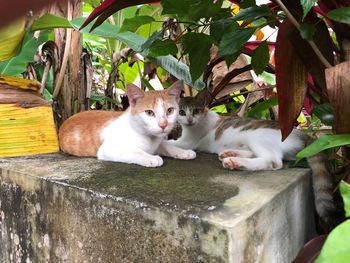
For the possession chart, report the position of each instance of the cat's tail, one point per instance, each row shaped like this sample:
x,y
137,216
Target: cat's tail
x,y
323,188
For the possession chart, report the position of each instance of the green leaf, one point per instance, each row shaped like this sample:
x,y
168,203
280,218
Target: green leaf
x,y
179,69
197,45
192,9
246,3
146,83
323,143
203,9
132,24
105,30
253,13
11,39
132,40
307,5
162,48
345,193
260,58
232,42
307,31
219,27
17,65
49,21
179,8
336,248
94,3
268,78
341,15
130,74
149,42
324,113
260,107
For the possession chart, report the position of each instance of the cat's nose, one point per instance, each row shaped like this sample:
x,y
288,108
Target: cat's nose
x,y
163,124
189,120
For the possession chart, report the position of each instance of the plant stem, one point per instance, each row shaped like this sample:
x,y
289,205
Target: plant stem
x,y
311,42
65,55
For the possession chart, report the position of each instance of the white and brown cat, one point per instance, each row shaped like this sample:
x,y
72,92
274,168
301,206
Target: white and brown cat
x,y
250,144
134,136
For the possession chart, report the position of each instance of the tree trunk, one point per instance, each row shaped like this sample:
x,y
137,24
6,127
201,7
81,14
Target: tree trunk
x,y
67,94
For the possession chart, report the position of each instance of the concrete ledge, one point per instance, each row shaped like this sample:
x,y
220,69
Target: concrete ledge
x,y
56,208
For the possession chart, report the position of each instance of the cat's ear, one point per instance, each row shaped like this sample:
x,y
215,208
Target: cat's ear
x,y
175,89
204,97
134,93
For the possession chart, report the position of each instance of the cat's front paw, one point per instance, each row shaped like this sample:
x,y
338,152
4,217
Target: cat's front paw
x,y
187,155
230,163
153,161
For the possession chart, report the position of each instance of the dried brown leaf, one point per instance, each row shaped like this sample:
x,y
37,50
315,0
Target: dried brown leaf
x,y
338,86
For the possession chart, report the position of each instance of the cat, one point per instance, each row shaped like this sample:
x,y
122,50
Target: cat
x,y
250,144
135,136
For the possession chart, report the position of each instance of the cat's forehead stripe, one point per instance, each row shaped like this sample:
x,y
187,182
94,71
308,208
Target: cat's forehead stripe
x,y
149,101
190,102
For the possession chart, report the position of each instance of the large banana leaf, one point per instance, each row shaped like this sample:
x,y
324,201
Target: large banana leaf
x,y
11,38
17,65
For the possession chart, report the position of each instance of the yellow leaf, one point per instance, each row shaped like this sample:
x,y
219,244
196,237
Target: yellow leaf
x,y
259,35
26,131
19,83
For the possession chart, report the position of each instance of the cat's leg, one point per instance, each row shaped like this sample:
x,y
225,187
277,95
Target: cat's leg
x,y
136,156
180,143
251,164
235,153
167,148
266,158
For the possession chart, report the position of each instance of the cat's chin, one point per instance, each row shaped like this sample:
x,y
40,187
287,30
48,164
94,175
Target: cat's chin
x,y
190,124
160,133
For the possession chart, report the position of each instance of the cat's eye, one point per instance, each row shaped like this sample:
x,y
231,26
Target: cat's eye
x,y
196,111
149,113
182,113
170,111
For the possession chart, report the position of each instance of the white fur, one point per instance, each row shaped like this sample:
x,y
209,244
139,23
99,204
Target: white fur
x,y
256,149
139,139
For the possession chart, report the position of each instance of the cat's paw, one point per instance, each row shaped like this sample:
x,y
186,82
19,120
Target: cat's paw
x,y
186,155
230,163
153,161
226,154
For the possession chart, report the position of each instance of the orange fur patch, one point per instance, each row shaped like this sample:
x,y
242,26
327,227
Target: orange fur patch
x,y
80,134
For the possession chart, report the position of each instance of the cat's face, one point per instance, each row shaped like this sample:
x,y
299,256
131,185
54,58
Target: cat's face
x,y
191,111
155,112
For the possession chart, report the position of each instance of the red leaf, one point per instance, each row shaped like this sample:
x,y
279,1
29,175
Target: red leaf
x,y
252,45
290,80
341,30
310,250
109,7
311,61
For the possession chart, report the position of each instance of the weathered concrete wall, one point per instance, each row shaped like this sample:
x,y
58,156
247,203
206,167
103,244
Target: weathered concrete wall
x,y
55,208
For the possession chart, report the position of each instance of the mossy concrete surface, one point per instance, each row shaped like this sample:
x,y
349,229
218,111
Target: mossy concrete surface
x,y
58,208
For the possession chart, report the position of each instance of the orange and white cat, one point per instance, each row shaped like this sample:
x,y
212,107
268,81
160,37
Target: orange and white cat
x,y
135,136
